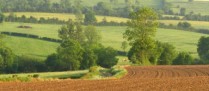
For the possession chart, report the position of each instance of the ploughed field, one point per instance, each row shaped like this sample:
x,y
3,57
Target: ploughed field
x,y
160,78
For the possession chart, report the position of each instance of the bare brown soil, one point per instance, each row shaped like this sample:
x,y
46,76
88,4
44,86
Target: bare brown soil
x,y
154,78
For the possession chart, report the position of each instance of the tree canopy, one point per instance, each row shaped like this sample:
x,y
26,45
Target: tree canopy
x,y
140,32
90,18
183,58
203,49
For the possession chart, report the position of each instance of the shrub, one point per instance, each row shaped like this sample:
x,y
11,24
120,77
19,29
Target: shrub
x,y
14,76
107,57
36,76
183,58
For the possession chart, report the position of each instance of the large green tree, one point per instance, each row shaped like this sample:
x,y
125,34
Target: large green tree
x,y
70,53
140,33
89,58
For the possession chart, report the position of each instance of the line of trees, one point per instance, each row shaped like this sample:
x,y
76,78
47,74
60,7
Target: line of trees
x,y
13,18
196,17
71,6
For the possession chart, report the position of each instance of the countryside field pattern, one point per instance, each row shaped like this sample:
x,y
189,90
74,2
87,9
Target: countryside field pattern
x,y
104,45
159,78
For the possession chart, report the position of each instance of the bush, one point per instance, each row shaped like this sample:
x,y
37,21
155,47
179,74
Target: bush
x,y
118,71
36,76
167,53
183,58
203,49
107,57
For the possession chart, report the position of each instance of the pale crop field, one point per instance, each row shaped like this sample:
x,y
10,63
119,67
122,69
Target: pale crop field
x,y
64,16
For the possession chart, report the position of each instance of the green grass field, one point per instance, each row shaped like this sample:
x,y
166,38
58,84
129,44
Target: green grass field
x,y
30,47
111,36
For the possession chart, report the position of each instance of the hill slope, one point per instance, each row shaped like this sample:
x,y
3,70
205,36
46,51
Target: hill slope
x,y
112,36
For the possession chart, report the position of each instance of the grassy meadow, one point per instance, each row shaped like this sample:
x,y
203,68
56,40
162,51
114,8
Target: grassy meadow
x,y
111,36
30,47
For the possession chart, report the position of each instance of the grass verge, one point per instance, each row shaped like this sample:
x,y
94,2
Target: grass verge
x,y
25,77
97,72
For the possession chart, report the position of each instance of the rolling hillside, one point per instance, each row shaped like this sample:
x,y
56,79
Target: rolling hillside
x,y
112,36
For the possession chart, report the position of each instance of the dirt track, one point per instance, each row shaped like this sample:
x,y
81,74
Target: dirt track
x,y
160,78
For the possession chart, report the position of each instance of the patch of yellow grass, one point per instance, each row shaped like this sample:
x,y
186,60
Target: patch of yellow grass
x,y
195,23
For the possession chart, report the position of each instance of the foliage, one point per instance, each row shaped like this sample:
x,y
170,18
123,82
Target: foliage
x,y
90,18
70,54
167,55
89,58
6,60
22,79
203,49
53,63
36,76
92,35
72,31
124,45
97,72
118,71
106,57
182,11
184,25
94,73
103,8
183,58
28,64
140,32
1,17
